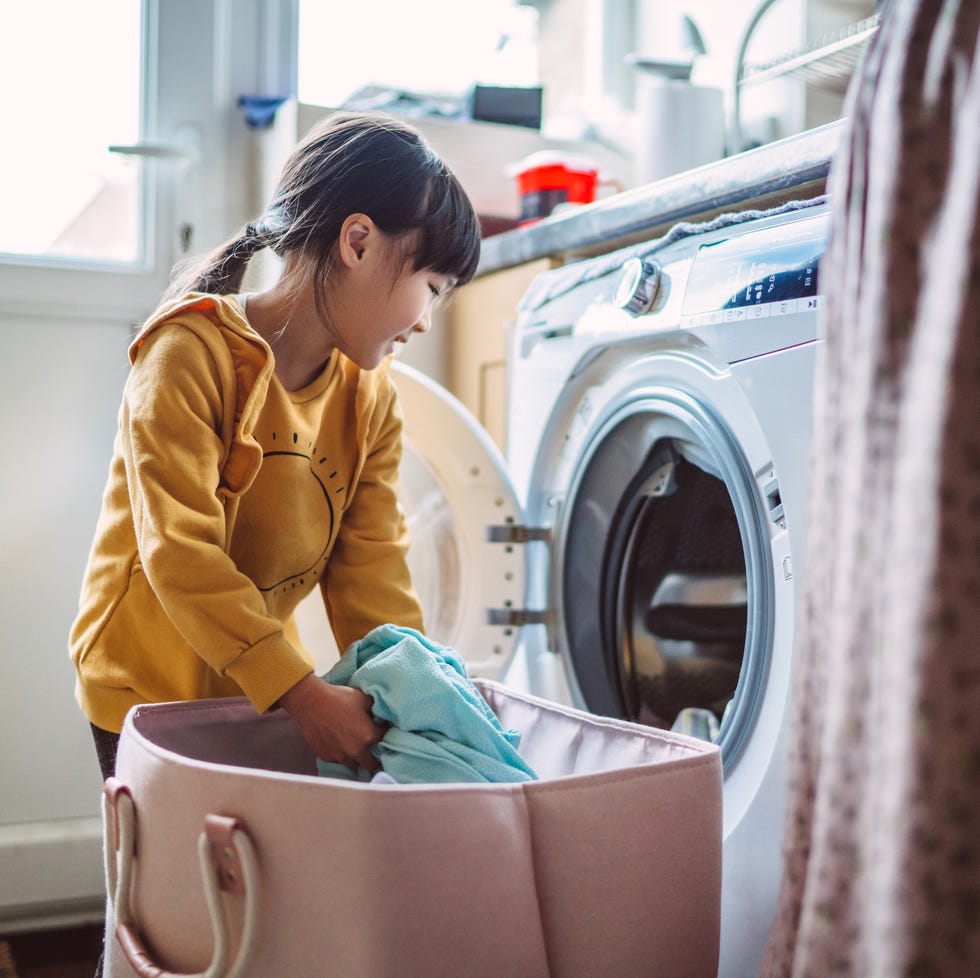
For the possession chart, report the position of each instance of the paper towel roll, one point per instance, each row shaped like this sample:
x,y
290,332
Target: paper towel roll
x,y
680,126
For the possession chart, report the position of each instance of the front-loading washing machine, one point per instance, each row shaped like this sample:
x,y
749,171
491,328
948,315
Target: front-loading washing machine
x,y
638,553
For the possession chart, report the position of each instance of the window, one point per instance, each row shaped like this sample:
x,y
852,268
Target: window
x,y
429,46
62,193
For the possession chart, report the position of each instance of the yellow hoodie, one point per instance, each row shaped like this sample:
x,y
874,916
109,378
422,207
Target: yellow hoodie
x,y
182,599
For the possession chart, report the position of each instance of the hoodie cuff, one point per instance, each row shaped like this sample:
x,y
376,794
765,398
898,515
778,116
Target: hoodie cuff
x,y
266,670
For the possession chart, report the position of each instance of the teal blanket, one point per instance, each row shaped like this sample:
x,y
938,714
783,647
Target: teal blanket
x,y
442,730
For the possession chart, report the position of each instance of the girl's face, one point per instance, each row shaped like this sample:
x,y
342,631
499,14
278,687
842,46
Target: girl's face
x,y
375,298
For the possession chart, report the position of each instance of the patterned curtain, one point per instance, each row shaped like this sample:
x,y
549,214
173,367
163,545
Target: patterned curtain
x,y
882,846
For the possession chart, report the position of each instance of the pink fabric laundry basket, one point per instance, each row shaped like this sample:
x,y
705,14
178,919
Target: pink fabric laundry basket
x,y
227,856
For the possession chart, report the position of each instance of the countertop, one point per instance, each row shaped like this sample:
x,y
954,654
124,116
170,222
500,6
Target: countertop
x,y
767,176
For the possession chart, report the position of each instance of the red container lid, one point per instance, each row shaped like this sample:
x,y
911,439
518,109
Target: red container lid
x,y
576,175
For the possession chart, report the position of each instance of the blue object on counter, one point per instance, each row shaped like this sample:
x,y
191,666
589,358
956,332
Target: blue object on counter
x,y
260,110
442,730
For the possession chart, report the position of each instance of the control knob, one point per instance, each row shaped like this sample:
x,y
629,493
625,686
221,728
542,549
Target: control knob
x,y
638,285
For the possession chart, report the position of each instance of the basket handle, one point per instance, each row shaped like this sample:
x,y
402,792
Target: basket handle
x,y
227,860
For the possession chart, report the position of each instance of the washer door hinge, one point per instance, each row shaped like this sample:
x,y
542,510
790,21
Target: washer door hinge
x,y
514,533
517,617
510,534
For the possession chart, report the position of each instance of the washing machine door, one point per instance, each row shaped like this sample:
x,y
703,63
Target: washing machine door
x,y
460,504
673,583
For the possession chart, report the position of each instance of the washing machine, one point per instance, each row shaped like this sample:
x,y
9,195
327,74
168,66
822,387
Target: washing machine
x,y
639,551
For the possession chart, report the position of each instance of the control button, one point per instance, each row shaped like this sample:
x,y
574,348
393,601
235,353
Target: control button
x,y
638,286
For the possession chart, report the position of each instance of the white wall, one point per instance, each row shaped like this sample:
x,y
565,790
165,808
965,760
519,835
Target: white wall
x,y
773,109
60,397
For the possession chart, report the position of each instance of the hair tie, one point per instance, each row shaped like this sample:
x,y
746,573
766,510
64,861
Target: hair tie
x,y
253,239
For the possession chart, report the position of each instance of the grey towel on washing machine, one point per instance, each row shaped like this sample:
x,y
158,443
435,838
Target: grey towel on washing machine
x,y
550,285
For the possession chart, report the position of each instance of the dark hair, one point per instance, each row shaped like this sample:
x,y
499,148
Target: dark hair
x,y
348,164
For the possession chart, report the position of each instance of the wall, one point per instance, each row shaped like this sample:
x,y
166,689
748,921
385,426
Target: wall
x,y
583,44
60,396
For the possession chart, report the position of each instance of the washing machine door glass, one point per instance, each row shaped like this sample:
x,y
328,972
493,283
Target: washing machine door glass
x,y
454,486
664,551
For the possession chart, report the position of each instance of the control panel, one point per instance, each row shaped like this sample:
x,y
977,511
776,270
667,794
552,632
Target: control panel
x,y
757,274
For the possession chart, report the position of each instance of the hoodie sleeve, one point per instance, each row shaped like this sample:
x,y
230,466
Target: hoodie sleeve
x,y
368,581
170,426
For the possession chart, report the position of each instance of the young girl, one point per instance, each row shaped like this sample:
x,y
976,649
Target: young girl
x,y
259,443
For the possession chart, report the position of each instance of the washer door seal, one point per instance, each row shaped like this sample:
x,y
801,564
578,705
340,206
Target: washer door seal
x,y
667,583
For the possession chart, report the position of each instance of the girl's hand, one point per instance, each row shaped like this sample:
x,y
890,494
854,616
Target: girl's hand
x,y
336,722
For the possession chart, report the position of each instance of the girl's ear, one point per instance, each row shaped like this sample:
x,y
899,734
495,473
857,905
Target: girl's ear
x,y
358,234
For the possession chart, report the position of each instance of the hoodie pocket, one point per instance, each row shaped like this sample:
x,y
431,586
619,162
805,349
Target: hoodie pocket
x,y
140,648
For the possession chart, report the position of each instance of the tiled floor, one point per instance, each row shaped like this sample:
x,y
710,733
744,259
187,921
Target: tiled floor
x,y
71,953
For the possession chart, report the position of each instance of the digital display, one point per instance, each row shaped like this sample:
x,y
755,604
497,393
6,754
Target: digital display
x,y
757,267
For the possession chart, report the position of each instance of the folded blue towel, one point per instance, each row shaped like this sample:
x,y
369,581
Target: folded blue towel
x,y
442,729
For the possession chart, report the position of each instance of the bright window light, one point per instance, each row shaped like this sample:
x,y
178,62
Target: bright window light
x,y
436,47
70,74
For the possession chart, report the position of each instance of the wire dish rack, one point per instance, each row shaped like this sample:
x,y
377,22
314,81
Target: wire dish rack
x,y
827,64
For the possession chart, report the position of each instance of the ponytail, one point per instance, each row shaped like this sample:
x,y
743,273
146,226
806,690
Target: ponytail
x,y
222,270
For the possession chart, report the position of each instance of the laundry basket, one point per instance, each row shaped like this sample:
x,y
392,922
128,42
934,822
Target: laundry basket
x,y
228,856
